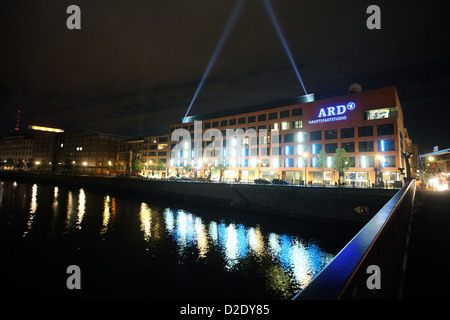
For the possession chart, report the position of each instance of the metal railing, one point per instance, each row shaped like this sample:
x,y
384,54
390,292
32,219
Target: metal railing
x,y
382,243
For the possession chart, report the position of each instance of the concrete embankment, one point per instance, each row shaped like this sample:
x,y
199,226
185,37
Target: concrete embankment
x,y
328,204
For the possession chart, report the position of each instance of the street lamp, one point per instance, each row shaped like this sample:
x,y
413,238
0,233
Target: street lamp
x,y
379,158
305,156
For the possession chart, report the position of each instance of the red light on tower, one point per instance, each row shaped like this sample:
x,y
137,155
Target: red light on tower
x,y
18,119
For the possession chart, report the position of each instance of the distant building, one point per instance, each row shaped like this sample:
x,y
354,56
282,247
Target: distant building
x,y
155,155
151,152
128,151
16,149
88,151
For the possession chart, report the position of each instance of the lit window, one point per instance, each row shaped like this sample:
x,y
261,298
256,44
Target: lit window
x,y
288,162
329,162
363,162
275,162
297,124
302,162
301,137
288,150
315,148
285,125
301,148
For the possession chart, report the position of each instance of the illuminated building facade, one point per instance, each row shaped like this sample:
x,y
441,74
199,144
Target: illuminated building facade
x,y
284,139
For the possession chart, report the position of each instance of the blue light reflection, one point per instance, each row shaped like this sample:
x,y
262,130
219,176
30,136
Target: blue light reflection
x,y
298,260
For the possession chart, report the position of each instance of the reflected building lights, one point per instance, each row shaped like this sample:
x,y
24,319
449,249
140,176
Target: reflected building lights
x,y
69,208
256,241
231,246
295,264
81,207
169,220
33,205
202,239
55,200
106,214
213,232
286,262
55,207
33,208
146,221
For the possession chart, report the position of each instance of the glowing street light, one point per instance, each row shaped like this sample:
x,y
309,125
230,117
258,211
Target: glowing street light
x,y
305,156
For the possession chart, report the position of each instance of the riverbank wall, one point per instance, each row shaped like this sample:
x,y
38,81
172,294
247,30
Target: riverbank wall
x,y
326,204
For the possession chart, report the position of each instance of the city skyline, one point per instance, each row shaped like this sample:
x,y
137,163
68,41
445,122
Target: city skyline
x,y
133,69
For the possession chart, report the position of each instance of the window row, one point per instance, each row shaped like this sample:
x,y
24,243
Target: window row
x,y
363,146
315,148
363,131
300,162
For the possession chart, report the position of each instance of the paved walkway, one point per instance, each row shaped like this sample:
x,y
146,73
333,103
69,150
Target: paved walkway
x,y
428,259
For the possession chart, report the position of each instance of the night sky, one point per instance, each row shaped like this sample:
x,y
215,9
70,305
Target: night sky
x,y
134,66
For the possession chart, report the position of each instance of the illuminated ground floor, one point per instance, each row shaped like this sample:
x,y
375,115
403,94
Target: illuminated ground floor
x,y
358,177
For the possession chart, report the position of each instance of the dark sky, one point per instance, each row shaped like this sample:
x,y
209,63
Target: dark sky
x,y
134,66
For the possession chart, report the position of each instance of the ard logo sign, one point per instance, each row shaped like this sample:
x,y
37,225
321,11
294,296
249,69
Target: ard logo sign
x,y
335,113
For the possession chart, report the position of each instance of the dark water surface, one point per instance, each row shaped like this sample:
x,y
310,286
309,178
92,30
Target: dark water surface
x,y
133,247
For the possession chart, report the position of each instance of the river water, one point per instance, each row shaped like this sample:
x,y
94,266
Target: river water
x,y
134,247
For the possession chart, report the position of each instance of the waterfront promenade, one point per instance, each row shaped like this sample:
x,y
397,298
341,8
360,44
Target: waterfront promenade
x,y
428,259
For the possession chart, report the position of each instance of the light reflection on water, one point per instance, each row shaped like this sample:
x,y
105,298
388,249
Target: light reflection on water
x,y
287,262
236,242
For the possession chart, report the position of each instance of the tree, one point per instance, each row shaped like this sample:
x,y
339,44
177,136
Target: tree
x,y
159,165
341,163
322,163
221,167
137,165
